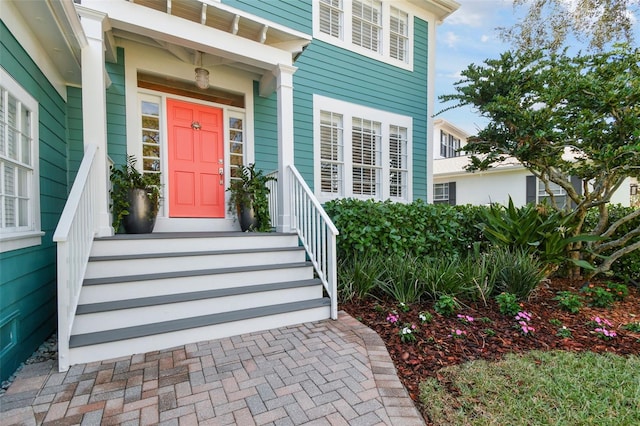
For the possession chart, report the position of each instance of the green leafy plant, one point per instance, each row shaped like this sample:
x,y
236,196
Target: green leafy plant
x,y
564,332
489,332
425,317
400,279
518,272
249,190
555,322
358,275
618,290
598,297
446,305
569,301
128,177
407,333
633,327
508,304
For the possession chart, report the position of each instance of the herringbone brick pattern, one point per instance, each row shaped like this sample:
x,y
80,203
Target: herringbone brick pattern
x,y
321,373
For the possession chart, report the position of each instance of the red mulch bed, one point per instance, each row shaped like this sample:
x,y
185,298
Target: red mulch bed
x,y
434,349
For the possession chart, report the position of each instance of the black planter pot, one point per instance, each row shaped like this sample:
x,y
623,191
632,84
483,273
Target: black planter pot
x,y
247,218
142,213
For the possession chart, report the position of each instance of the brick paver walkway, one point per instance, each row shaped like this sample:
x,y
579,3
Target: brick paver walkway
x,y
321,373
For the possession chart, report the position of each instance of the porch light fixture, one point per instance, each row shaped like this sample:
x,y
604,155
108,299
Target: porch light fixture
x,y
202,78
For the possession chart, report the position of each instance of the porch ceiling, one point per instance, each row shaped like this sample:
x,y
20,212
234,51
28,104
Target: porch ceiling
x,y
203,30
57,28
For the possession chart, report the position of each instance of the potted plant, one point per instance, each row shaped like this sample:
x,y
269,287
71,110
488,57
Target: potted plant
x,y
135,198
250,199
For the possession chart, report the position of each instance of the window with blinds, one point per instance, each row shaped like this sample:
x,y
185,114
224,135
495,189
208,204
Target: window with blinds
x,y
366,157
374,28
398,168
559,194
399,35
331,153
19,174
361,152
331,16
366,24
16,163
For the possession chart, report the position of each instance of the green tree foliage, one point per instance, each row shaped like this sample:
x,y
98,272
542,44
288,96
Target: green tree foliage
x,y
548,23
563,116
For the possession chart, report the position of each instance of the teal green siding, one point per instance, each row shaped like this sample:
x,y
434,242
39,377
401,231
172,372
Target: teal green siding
x,y
338,73
266,131
116,111
27,282
295,14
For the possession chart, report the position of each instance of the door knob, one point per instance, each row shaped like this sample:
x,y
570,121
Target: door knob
x,y
221,171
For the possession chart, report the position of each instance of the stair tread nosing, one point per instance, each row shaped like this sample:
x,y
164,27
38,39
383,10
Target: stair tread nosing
x,y
144,330
177,235
191,253
192,273
91,308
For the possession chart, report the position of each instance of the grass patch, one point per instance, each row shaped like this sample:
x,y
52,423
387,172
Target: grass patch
x,y
537,388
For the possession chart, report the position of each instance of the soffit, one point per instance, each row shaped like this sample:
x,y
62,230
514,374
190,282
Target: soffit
x,y
221,35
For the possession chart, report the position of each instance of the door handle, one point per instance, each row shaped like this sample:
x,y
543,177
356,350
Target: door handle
x,y
221,171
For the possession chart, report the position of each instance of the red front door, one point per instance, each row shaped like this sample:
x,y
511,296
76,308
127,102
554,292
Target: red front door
x,y
196,160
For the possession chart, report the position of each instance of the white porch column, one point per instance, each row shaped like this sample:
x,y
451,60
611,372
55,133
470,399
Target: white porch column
x,y
284,78
94,111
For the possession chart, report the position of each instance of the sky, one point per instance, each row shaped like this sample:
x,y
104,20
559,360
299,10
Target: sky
x,y
468,36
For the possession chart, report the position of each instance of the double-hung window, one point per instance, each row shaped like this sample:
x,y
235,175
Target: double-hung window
x,y
331,17
366,24
360,152
449,145
375,28
331,153
559,194
19,178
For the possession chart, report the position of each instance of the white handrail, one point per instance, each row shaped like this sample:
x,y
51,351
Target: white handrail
x,y
272,185
316,232
74,236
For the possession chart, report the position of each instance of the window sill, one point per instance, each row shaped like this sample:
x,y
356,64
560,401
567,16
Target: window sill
x,y
19,240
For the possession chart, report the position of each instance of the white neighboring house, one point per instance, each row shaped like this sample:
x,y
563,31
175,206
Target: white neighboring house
x,y
454,185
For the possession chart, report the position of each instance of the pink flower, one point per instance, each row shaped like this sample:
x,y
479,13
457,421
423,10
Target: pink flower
x,y
466,318
392,318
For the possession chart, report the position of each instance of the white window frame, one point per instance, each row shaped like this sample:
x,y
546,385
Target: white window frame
x,y
387,120
30,235
557,191
346,31
449,145
445,191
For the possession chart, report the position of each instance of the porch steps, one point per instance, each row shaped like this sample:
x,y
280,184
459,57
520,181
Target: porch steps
x,y
151,292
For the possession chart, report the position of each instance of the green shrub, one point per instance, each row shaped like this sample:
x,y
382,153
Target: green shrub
x,y
401,279
508,304
441,277
358,275
477,276
568,301
517,271
619,291
420,229
446,305
598,296
534,229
